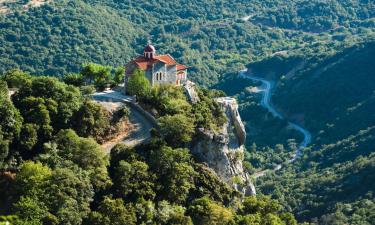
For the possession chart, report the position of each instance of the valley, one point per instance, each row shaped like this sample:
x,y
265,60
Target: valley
x,y
307,108
266,103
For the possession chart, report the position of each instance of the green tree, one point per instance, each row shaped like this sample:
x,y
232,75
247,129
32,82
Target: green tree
x,y
96,74
4,149
92,120
30,211
16,78
119,75
69,196
28,136
10,118
177,129
134,180
32,178
178,182
206,212
138,84
171,214
60,100
112,211
174,172
86,153
75,79
35,111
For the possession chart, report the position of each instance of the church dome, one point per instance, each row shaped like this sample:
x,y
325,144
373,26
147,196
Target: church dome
x,y
149,48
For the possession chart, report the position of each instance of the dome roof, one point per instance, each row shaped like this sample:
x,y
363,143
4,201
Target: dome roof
x,y
149,48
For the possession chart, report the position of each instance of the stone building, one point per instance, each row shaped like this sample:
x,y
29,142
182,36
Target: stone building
x,y
159,69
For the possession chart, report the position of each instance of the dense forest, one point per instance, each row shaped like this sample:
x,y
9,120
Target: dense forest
x,y
56,38
54,170
318,53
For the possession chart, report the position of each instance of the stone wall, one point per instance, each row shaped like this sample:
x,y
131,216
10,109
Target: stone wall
x,y
146,114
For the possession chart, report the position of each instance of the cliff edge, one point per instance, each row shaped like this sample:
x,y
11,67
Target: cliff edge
x,y
224,151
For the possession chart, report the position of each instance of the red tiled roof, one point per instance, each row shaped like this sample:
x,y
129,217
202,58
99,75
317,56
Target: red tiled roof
x,y
181,67
167,59
143,63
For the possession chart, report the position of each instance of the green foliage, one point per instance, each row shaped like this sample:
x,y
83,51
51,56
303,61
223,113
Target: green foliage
x,y
87,90
73,204
10,120
16,78
10,123
75,79
172,214
29,136
168,99
263,210
32,178
112,211
4,149
92,120
30,211
343,168
55,39
119,75
133,180
177,129
206,211
56,101
84,152
138,84
120,113
207,112
96,74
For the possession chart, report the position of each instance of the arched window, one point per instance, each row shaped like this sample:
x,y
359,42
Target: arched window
x,y
159,76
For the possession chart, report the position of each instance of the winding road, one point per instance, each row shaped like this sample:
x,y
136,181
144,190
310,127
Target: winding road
x,y
266,103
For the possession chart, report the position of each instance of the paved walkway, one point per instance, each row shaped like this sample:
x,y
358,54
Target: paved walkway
x,y
141,131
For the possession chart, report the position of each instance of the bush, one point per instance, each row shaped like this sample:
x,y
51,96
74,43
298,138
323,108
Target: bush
x,y
177,129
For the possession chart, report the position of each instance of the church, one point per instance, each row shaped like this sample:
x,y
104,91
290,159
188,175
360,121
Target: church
x,y
159,69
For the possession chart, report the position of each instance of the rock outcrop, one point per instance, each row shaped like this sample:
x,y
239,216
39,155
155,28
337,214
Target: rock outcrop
x,y
224,151
190,91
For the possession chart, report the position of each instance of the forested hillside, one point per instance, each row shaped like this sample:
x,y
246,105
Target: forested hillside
x,y
57,37
318,55
317,16
334,94
53,170
333,97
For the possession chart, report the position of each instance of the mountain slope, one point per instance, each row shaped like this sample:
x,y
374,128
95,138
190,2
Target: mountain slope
x,y
57,38
335,99
210,36
334,95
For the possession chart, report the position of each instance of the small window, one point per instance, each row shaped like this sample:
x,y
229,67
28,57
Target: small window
x,y
159,76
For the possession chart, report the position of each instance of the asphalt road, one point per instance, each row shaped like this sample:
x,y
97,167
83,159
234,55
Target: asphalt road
x,y
266,103
142,126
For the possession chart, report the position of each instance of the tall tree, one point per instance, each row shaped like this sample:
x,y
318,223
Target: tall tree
x,y
138,84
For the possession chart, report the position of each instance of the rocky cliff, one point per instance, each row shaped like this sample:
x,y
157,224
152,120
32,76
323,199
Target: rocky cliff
x,y
224,151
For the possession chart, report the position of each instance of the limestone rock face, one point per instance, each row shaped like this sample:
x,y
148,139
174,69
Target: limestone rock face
x,y
224,152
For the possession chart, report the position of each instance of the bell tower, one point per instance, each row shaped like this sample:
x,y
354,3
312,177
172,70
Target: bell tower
x,y
149,52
